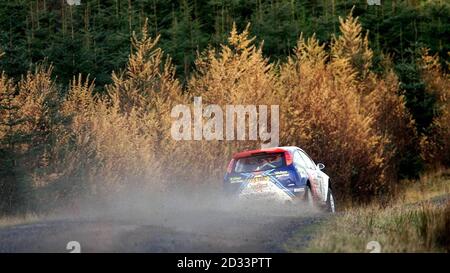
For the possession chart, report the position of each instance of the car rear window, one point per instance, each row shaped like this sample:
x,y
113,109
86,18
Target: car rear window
x,y
262,162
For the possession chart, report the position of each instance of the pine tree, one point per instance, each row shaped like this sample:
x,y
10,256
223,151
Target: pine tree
x,y
436,139
146,78
10,192
322,114
186,38
129,130
353,46
42,122
235,74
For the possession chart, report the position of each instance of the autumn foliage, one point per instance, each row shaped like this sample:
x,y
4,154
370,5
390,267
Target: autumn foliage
x,y
436,143
58,145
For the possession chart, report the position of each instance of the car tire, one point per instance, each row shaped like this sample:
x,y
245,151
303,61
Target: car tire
x,y
308,197
330,204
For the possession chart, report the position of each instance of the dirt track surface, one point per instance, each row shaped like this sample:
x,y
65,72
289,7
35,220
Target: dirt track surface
x,y
175,231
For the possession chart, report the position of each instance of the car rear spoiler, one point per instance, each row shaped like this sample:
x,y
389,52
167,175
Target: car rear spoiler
x,y
257,152
287,154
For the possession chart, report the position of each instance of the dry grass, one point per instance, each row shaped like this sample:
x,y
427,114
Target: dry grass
x,y
429,186
415,222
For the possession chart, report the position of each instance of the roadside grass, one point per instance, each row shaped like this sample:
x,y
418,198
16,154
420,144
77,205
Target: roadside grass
x,y
418,220
429,186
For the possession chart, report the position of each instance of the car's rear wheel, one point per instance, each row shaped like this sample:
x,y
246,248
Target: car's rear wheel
x,y
330,204
308,197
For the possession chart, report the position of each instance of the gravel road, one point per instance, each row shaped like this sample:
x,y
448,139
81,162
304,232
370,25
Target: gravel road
x,y
175,228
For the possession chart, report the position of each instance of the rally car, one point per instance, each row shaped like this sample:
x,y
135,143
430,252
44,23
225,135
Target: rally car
x,y
284,173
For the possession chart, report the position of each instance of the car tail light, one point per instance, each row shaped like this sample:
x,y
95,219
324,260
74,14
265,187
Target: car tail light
x,y
230,166
288,157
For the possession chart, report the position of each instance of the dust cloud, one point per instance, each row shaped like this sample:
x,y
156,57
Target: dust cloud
x,y
182,219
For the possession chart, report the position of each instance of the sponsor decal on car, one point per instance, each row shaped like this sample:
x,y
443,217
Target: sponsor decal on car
x,y
265,185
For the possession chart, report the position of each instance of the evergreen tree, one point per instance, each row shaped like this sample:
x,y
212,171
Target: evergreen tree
x,y
186,38
10,192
